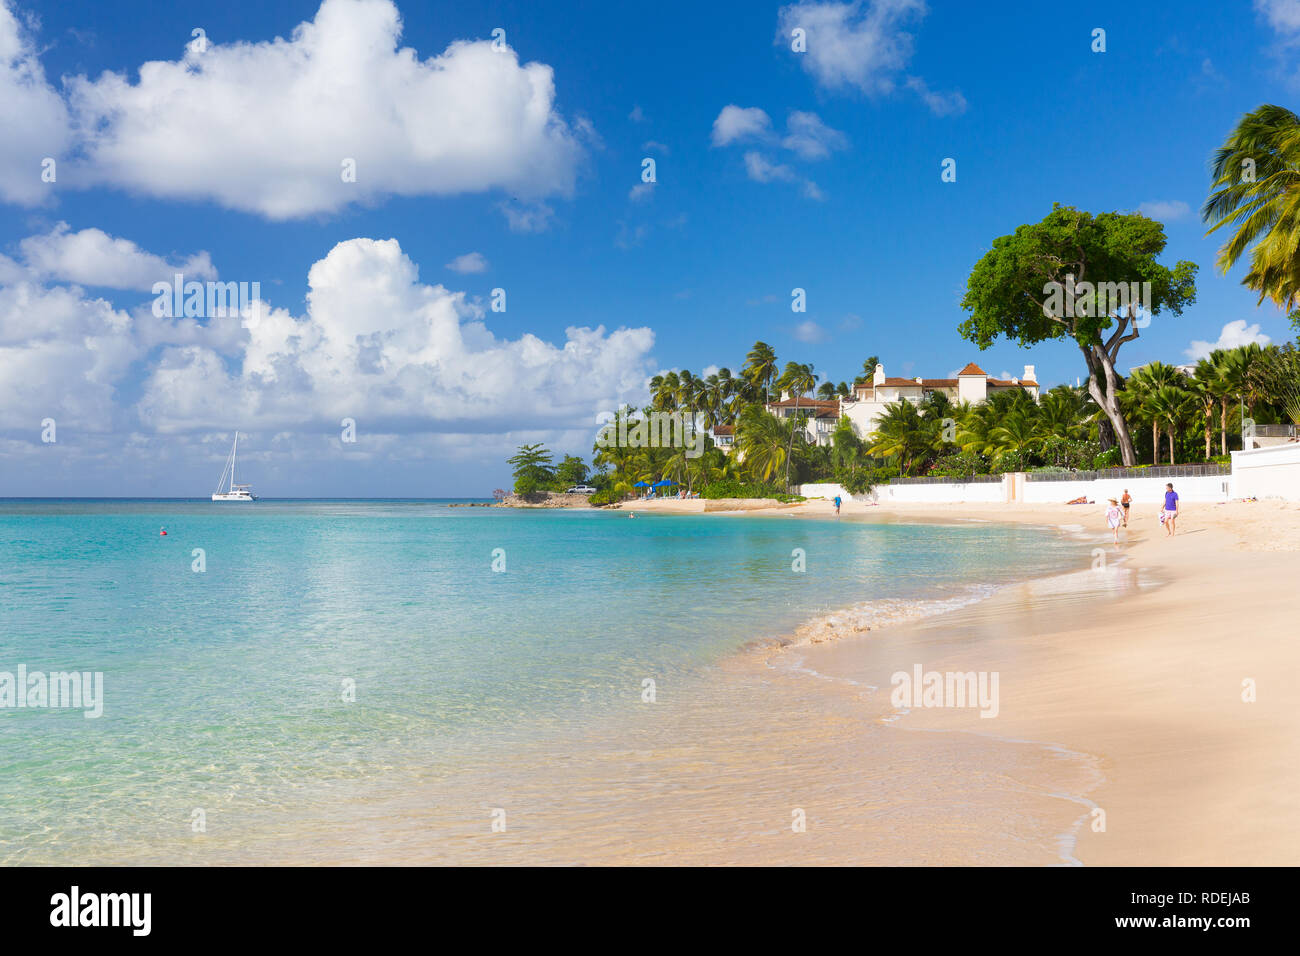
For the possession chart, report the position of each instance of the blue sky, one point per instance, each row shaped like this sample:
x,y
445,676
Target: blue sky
x,y
226,161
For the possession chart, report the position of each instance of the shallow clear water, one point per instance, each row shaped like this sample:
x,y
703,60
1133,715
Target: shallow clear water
x,y
227,686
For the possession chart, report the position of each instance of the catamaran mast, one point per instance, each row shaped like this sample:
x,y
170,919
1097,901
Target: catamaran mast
x,y
233,452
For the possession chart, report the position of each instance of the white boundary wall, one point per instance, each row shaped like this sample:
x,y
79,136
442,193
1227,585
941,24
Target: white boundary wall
x,y
1146,492
992,492
1269,472
827,491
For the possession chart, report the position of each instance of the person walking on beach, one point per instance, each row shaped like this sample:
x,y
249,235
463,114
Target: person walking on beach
x,y
1170,513
1125,500
837,506
1114,516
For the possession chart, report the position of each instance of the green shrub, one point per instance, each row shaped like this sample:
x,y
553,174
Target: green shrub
x,y
961,465
734,488
602,498
1110,458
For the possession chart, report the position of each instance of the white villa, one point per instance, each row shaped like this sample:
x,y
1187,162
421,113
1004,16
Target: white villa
x,y
867,405
972,385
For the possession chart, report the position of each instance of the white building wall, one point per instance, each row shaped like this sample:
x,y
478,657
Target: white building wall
x,y
1269,472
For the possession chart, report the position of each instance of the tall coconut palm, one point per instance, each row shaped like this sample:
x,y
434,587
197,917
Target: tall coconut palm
x,y
760,440
797,380
1141,385
760,368
1256,191
1169,407
1206,385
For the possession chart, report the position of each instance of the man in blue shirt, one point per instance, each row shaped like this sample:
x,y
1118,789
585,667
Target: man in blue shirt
x,y
1170,514
837,505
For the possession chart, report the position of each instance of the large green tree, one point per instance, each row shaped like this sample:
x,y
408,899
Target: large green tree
x,y
1057,279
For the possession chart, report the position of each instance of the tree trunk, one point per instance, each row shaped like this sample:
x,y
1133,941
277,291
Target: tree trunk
x,y
1108,401
1171,447
1155,443
790,452
1209,428
1223,425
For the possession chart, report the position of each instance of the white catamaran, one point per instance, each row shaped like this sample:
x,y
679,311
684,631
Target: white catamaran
x,y
233,491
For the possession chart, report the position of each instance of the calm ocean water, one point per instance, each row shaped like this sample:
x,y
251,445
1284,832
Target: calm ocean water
x,y
226,687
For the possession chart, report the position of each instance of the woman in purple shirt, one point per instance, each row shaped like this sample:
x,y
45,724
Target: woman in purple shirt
x,y
1170,513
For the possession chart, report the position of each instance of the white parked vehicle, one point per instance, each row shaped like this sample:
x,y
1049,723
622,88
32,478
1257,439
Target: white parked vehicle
x,y
580,490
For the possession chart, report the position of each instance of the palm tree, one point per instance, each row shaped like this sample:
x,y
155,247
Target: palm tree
x,y
868,370
663,392
1256,183
900,434
760,440
1066,412
1206,385
1142,384
1016,431
1168,407
826,391
760,367
796,379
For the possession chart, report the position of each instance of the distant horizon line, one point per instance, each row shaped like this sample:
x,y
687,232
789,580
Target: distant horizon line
x,y
206,498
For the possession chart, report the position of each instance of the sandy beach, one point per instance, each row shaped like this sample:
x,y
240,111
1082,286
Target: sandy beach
x,y
1143,666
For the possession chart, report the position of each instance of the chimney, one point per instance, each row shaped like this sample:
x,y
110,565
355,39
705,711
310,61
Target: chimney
x,y
878,377
1029,374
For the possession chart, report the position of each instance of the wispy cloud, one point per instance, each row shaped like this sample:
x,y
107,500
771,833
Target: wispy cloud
x,y
863,45
737,123
470,262
1166,210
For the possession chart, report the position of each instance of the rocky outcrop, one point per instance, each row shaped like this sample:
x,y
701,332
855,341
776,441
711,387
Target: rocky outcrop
x,y
544,499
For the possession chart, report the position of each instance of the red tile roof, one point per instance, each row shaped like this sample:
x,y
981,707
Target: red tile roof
x,y
808,403
723,429
972,369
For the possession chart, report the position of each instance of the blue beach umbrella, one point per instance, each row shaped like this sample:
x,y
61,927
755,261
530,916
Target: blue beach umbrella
x,y
641,484
663,483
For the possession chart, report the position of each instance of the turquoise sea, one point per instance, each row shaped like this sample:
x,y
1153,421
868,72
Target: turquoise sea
x,y
232,686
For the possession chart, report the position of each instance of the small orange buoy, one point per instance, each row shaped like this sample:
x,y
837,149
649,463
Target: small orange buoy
x,y
163,531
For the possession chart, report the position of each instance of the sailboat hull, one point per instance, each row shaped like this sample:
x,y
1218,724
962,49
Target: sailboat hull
x,y
233,497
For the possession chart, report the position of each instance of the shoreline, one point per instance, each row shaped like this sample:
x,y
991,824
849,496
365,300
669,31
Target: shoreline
x,y
1148,681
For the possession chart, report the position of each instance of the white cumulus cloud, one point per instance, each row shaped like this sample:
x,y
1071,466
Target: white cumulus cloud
x,y
379,345
338,113
33,117
93,257
1232,335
